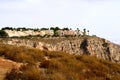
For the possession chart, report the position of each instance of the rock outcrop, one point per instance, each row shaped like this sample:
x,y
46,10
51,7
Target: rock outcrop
x,y
93,46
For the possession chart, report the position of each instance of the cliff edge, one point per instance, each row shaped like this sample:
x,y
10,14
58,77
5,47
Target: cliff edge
x,y
88,45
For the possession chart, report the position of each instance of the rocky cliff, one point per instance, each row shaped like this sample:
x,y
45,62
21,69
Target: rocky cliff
x,y
89,45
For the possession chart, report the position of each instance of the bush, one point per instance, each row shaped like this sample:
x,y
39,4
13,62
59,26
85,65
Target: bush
x,y
30,73
3,34
26,72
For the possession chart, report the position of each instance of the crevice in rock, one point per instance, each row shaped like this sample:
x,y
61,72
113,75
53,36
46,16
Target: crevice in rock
x,y
84,45
107,50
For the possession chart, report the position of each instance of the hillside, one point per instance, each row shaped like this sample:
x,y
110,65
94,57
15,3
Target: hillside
x,y
89,45
59,58
54,65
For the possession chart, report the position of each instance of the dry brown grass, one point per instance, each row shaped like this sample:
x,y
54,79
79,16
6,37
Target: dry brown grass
x,y
59,66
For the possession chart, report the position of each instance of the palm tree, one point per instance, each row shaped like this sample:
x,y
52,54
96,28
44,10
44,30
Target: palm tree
x,y
88,32
84,32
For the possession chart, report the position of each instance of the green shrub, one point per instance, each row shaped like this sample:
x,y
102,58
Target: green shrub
x,y
3,34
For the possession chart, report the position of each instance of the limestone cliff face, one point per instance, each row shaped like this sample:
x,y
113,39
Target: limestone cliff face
x,y
92,46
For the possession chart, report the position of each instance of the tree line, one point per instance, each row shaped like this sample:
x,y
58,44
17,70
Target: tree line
x,y
55,29
35,29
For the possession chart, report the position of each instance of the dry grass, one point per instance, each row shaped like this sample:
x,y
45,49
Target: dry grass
x,y
58,66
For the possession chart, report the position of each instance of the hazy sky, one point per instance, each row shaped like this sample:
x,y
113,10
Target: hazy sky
x,y
101,17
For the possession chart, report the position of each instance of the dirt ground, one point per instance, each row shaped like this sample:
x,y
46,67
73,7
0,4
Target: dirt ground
x,y
5,66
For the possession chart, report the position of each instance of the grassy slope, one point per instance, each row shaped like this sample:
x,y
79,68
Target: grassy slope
x,y
57,65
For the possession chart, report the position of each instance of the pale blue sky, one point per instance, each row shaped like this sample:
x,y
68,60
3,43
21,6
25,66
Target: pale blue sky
x,y
101,17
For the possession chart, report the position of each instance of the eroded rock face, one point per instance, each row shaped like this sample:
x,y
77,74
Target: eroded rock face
x,y
92,46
